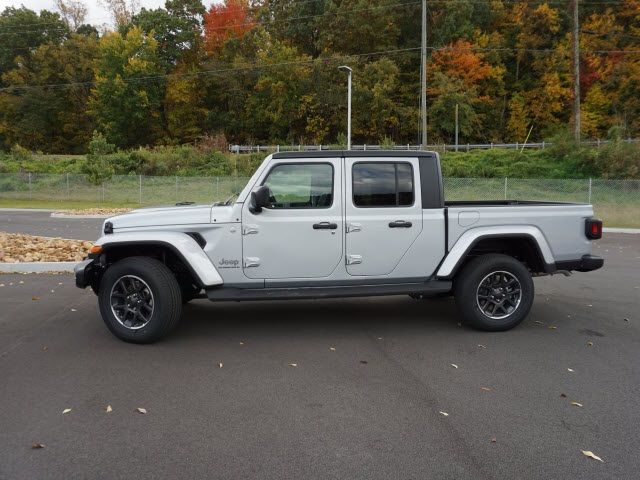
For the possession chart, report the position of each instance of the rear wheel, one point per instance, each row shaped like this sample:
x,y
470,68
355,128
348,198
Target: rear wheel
x,y
494,292
140,299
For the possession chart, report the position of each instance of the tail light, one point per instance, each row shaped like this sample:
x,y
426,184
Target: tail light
x,y
593,228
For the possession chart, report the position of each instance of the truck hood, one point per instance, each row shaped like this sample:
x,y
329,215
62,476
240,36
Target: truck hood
x,y
171,216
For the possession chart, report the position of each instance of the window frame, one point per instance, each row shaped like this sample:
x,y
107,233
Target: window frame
x,y
395,164
333,183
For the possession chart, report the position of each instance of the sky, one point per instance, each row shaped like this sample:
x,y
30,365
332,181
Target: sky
x,y
97,14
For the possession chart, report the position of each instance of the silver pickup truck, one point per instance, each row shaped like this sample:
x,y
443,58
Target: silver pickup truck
x,y
335,224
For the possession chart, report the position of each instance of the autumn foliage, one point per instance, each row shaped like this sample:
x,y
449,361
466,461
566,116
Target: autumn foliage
x,y
224,21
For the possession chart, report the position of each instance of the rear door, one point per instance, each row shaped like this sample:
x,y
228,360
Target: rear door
x,y
383,214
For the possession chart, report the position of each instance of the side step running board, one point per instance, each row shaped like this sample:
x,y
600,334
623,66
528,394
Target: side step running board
x,y
300,293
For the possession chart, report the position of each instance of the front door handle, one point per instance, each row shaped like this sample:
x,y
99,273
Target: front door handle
x,y
400,224
325,226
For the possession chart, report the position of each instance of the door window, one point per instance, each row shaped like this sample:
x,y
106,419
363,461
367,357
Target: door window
x,y
382,184
301,185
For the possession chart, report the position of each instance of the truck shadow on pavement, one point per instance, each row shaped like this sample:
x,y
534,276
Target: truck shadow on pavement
x,y
203,318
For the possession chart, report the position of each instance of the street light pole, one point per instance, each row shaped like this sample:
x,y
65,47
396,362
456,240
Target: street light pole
x,y
349,71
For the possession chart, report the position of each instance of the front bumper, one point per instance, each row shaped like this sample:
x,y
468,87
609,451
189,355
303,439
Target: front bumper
x,y
585,264
85,272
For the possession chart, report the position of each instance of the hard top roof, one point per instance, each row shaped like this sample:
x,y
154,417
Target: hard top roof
x,y
355,153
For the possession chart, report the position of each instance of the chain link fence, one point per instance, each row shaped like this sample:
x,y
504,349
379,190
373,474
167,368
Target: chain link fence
x,y
617,202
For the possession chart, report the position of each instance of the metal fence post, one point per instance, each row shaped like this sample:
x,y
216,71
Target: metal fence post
x,y
140,189
590,187
505,188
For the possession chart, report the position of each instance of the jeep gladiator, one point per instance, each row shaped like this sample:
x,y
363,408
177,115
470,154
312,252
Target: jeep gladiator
x,y
335,224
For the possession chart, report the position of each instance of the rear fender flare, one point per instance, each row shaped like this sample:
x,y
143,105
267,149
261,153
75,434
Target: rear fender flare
x,y
471,237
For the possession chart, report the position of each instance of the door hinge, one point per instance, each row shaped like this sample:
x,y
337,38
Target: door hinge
x,y
353,227
249,229
251,262
354,259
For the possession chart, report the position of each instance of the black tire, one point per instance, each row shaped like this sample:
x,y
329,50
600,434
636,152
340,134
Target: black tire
x,y
166,299
471,298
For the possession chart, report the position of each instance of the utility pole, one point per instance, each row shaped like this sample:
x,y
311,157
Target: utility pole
x,y
423,76
576,73
349,71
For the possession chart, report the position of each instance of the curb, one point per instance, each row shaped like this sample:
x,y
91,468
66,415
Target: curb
x,y
621,230
37,267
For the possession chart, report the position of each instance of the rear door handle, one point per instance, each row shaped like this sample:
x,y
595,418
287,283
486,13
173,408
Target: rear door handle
x,y
325,226
400,224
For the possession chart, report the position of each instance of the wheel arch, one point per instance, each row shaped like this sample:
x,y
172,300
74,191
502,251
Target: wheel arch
x,y
179,251
526,244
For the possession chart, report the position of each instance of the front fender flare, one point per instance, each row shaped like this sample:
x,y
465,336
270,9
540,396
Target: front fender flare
x,y
184,246
472,236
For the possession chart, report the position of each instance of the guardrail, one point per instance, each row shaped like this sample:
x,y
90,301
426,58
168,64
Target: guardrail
x,y
407,147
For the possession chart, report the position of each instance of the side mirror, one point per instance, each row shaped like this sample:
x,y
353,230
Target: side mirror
x,y
260,198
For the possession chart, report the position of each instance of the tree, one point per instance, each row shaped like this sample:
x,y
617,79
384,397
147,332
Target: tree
x,y
359,26
46,105
177,29
126,98
223,21
23,30
73,11
122,11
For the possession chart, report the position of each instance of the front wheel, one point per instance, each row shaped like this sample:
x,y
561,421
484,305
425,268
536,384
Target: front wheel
x,y
494,292
140,299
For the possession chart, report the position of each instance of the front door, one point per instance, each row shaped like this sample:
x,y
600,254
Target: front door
x,y
300,234
383,213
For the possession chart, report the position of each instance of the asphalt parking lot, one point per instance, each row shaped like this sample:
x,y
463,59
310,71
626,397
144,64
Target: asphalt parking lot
x,y
371,408
41,222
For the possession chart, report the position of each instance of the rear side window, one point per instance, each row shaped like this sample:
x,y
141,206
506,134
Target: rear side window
x,y
382,184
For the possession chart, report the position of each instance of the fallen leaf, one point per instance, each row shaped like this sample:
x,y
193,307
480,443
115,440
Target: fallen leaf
x,y
454,365
21,282
108,409
59,283
36,446
589,305
363,362
66,410
293,364
590,454
52,291
379,338
444,413
538,322
481,346
45,348
562,395
576,404
220,365
485,389
626,319
141,410
241,343
333,349
493,440
589,344
73,310
35,298
570,370
552,327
